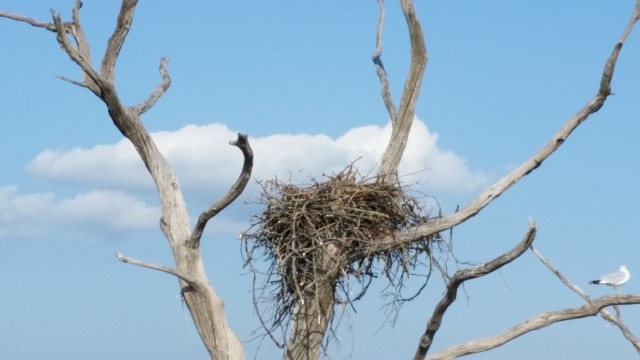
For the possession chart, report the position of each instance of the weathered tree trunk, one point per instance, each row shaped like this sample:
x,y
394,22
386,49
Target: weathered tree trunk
x,y
310,323
207,308
314,312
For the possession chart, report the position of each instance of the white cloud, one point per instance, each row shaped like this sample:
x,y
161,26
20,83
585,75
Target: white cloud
x,y
113,209
204,161
206,164
36,214
422,160
21,215
113,165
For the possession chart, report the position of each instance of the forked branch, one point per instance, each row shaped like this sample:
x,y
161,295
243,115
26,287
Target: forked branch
x,y
80,53
615,320
459,278
434,226
402,121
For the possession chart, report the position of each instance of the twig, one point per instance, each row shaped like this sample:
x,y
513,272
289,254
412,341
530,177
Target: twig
x,y
40,24
74,82
74,53
160,89
82,45
177,273
382,73
558,274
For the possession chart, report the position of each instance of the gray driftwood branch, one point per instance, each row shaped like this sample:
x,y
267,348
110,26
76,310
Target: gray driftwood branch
x,y
426,340
535,323
403,119
149,265
382,73
243,144
160,89
437,225
35,23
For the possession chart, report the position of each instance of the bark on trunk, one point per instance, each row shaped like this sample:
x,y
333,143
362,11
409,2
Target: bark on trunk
x,y
314,311
310,323
207,308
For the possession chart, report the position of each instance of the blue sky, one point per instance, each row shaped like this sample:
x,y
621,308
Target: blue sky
x,y
501,80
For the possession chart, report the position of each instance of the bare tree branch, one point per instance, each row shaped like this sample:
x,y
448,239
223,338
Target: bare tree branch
x,y
82,59
46,25
177,273
437,225
74,82
243,144
160,89
401,127
82,45
382,73
559,275
459,278
125,18
535,323
616,320
79,54
635,17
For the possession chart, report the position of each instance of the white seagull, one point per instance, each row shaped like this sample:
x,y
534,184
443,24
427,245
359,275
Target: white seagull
x,y
614,279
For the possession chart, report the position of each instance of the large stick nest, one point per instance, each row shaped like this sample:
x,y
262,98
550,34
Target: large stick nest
x,y
324,231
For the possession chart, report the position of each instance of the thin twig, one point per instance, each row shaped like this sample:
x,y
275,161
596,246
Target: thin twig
x,y
74,82
82,45
73,52
160,89
20,18
177,273
382,73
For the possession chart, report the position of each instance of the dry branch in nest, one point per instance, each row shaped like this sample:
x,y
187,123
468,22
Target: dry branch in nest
x,y
324,231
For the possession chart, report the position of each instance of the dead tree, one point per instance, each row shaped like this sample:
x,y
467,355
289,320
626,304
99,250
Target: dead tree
x,y
341,252
378,222
204,304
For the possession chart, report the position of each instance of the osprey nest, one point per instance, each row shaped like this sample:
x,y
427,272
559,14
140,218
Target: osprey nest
x,y
326,232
